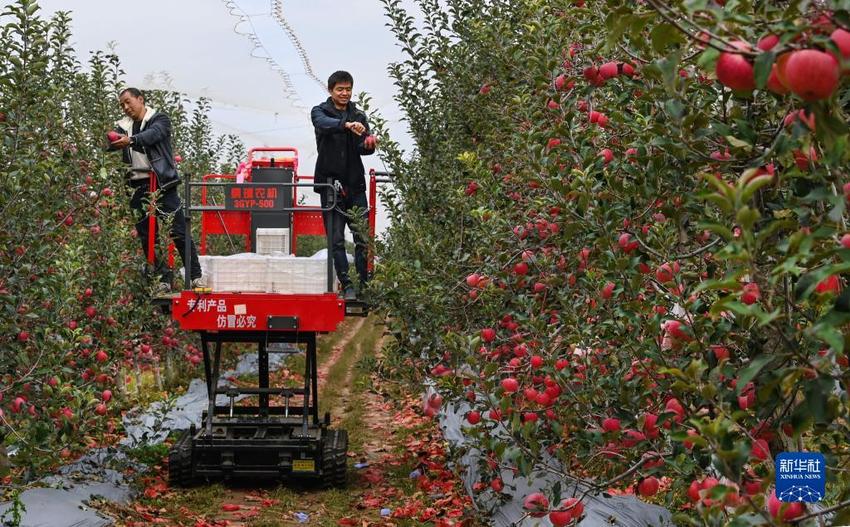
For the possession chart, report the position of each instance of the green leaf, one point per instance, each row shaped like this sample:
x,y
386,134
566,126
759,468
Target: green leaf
x,y
762,67
739,143
663,36
749,373
707,58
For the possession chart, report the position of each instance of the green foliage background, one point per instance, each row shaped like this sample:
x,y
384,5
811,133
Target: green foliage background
x,y
478,86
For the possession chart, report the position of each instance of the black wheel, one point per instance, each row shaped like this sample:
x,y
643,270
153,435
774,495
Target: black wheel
x,y
180,462
335,458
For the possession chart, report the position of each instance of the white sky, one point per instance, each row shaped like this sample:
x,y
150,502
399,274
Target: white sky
x,y
238,54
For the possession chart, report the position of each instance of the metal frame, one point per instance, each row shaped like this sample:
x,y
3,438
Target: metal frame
x,y
188,209
309,393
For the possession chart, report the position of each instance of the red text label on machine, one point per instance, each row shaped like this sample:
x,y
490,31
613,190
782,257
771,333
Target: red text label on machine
x,y
224,311
253,197
237,318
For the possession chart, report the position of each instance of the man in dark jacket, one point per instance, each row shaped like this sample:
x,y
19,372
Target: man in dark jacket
x,y
144,137
342,136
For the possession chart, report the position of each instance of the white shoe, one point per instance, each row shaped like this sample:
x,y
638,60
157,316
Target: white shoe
x,y
200,283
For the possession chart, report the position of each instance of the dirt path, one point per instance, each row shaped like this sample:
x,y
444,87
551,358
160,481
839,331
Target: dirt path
x,y
397,476
326,363
240,506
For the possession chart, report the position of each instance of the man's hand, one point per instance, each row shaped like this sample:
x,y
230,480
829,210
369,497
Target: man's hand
x,y
121,142
355,127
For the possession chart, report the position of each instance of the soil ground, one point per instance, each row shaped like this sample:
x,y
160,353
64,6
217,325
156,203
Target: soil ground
x,y
397,474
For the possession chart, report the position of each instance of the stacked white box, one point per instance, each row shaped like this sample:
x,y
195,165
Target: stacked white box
x,y
273,241
297,275
240,272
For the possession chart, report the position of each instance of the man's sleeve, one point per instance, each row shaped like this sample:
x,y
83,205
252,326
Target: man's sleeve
x,y
324,123
158,129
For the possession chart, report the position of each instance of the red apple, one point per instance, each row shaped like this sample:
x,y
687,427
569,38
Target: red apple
x,y
791,510
17,404
536,361
560,82
750,294
812,74
802,116
510,385
473,417
607,155
106,395
521,268
767,42
113,136
774,84
23,336
611,424
608,290
608,70
101,356
536,503
782,63
100,409
488,334
569,510
674,406
842,41
648,486
760,449
473,280
720,352
734,70
664,273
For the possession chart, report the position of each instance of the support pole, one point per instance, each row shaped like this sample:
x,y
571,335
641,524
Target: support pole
x,y
187,265
263,365
151,218
314,375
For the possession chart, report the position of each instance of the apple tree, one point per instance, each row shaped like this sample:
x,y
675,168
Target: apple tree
x,y
622,240
75,313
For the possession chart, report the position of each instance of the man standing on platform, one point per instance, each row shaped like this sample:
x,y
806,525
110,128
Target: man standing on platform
x,y
144,137
342,136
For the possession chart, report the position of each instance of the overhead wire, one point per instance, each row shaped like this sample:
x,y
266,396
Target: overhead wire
x,y
277,13
288,87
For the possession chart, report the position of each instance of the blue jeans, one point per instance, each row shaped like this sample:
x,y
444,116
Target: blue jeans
x,y
341,218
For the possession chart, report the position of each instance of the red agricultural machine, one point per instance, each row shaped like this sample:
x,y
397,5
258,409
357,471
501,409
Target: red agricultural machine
x,y
282,436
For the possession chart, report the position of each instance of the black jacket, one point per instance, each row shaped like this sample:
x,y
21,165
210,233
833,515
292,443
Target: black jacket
x,y
155,142
339,149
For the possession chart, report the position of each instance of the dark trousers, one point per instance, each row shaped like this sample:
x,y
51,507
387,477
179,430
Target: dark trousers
x,y
168,208
342,217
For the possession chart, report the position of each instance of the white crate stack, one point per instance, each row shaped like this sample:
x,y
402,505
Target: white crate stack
x,y
247,273
271,241
297,275
255,273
